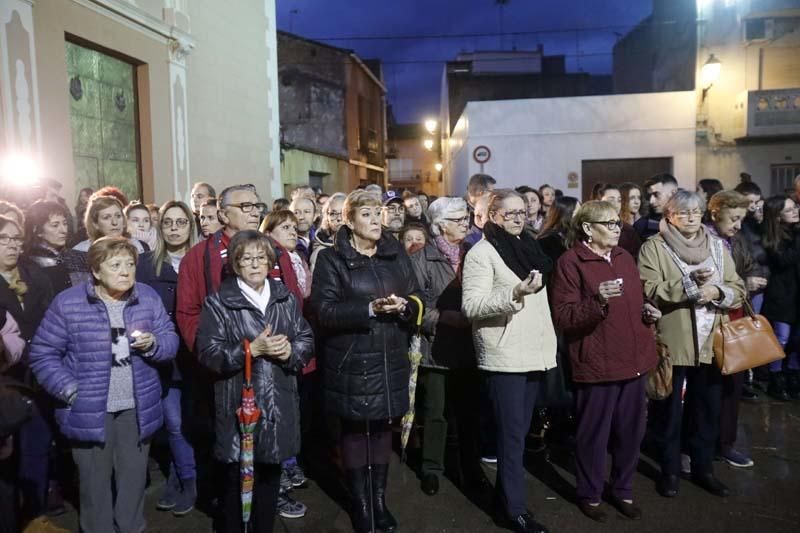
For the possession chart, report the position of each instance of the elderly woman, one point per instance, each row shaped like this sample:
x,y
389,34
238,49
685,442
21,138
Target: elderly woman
x,y
449,373
361,300
504,275
159,269
253,306
726,212
47,234
25,293
332,220
96,353
105,218
691,277
611,350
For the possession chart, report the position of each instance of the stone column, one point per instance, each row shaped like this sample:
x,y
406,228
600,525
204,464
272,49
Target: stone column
x,y
179,48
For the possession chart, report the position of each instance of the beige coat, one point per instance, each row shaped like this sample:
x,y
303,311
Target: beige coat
x,y
510,335
667,286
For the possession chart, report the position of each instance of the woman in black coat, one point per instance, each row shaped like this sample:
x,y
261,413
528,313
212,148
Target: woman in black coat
x,y
361,300
252,306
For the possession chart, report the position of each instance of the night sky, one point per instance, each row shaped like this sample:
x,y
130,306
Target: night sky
x,y
584,30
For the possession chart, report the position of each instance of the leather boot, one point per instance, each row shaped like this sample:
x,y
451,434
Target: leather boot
x,y
359,499
384,521
777,386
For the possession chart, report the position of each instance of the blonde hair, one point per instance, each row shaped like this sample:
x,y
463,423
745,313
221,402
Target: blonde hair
x,y
358,199
160,251
589,212
97,204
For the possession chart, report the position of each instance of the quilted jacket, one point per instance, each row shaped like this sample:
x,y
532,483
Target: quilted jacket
x,y
71,352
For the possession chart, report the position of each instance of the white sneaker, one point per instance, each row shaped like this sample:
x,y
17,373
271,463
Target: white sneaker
x,y
686,464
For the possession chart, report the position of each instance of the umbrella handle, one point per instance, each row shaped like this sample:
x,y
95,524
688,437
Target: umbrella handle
x,y
248,357
420,309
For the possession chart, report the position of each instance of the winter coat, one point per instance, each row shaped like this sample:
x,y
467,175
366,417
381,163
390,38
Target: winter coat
x,y
365,359
751,232
202,271
552,243
64,269
666,286
443,346
629,240
782,295
647,226
607,342
12,342
72,353
35,301
227,319
510,335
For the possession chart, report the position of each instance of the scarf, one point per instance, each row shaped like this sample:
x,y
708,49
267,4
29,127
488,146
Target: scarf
x,y
16,284
453,253
521,254
691,252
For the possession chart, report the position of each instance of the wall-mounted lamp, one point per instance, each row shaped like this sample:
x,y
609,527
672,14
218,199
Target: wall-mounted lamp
x,y
709,74
430,125
438,167
428,144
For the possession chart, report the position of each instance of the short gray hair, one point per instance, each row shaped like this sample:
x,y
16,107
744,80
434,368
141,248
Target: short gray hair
x,y
374,188
439,210
225,195
683,200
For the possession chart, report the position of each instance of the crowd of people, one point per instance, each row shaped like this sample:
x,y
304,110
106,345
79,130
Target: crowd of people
x,y
124,323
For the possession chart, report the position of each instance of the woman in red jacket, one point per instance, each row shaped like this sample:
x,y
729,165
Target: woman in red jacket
x,y
598,305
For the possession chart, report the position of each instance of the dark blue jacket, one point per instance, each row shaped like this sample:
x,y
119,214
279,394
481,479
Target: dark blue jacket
x,y
71,352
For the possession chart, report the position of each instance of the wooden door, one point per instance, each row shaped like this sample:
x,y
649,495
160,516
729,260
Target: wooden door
x,y
618,171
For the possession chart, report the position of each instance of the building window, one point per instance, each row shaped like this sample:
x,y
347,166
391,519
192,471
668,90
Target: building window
x,y
782,178
104,120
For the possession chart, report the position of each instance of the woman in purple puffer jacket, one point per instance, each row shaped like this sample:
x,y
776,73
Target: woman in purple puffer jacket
x,y
96,352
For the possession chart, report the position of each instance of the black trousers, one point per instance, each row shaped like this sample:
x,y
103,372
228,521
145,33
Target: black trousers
x,y
729,413
8,495
698,416
265,499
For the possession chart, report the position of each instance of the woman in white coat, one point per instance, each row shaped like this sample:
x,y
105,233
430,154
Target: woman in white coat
x,y
504,278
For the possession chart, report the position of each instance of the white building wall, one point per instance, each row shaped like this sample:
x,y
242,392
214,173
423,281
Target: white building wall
x,y
536,141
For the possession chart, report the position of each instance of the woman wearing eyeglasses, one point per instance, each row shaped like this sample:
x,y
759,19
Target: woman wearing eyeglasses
x,y
781,240
253,306
332,220
449,374
691,277
598,305
175,234
504,275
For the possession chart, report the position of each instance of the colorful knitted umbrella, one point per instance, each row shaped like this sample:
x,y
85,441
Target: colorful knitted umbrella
x,y
415,357
248,414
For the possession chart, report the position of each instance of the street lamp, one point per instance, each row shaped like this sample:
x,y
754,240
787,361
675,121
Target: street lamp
x,y
438,167
428,144
431,124
709,74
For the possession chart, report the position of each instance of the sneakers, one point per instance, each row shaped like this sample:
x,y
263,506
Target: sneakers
x,y
290,508
169,497
489,459
736,458
296,475
286,481
186,498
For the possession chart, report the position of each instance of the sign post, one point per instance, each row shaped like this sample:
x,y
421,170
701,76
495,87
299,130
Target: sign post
x,y
481,155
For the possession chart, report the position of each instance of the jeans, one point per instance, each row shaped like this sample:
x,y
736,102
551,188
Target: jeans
x,y
33,446
788,336
182,451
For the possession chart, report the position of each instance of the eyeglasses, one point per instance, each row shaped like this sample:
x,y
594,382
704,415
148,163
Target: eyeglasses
x,y
511,215
610,224
255,261
460,221
335,215
248,207
5,240
180,222
395,210
686,214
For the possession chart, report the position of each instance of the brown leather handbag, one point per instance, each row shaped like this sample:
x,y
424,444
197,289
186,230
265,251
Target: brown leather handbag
x,y
745,343
659,379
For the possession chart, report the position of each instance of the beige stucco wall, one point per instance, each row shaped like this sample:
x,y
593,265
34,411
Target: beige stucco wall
x,y
297,164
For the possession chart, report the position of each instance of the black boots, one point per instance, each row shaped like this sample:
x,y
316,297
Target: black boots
x,y
358,484
777,386
384,521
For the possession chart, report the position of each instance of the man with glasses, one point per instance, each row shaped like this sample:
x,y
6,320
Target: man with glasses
x,y
205,265
393,214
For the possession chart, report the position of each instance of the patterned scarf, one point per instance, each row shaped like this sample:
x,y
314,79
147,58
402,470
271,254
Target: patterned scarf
x,y
16,284
453,252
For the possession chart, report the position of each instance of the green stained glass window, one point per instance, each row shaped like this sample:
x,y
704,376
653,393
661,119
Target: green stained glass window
x,y
102,97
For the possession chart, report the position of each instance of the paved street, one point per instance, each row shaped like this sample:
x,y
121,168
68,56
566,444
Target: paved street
x,y
764,498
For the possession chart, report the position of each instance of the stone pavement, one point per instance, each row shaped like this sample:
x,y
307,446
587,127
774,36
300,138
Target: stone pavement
x,y
764,498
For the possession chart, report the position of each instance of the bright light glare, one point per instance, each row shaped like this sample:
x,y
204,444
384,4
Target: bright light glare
x,y
18,169
428,144
438,167
710,72
431,124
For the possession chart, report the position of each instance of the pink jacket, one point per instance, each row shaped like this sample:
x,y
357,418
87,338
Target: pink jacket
x,y
13,345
